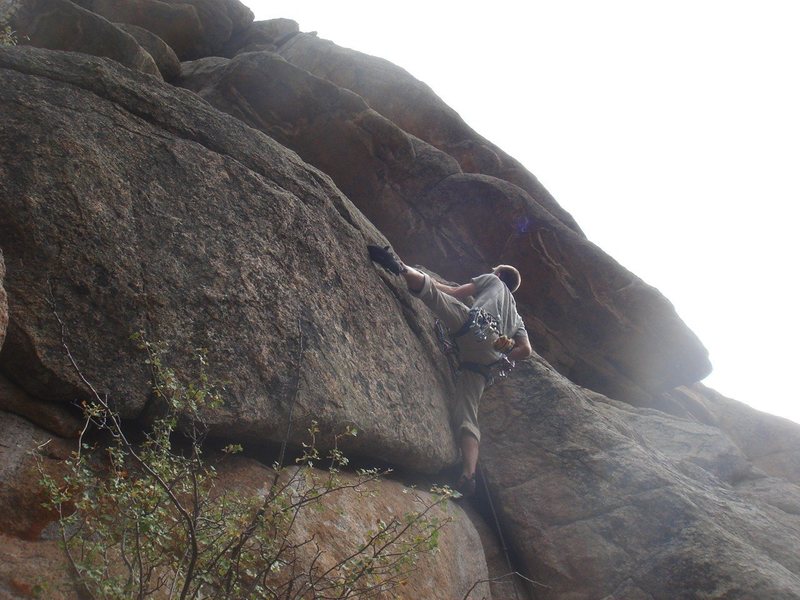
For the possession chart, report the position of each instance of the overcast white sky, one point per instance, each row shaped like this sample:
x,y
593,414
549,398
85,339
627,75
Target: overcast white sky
x,y
670,131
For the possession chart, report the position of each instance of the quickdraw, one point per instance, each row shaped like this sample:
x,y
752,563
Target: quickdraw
x,y
446,345
480,323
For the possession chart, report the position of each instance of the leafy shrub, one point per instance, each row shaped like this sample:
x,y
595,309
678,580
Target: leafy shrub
x,y
8,37
146,519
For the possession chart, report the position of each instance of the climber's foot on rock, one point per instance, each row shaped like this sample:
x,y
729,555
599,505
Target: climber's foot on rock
x,y
385,258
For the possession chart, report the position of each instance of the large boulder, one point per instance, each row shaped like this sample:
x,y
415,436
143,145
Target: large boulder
x,y
61,25
21,467
326,531
772,443
164,56
156,212
179,25
55,418
414,107
604,500
340,521
686,441
34,569
193,28
594,321
262,35
591,318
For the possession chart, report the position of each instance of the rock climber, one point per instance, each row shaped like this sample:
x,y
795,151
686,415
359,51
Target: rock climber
x,y
488,336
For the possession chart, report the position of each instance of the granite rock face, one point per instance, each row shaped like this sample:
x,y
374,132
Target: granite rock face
x,y
192,28
594,320
604,500
343,519
165,58
262,35
770,442
21,497
56,418
233,215
414,107
202,232
61,25
29,568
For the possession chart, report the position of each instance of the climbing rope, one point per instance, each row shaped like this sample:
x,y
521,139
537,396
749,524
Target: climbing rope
x,y
499,531
294,396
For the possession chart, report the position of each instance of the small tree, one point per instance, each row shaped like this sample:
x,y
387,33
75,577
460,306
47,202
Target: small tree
x,y
146,519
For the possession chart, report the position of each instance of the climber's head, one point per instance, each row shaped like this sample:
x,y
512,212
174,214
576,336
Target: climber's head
x,y
508,275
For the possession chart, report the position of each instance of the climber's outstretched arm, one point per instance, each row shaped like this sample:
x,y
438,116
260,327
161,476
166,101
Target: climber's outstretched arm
x,y
460,292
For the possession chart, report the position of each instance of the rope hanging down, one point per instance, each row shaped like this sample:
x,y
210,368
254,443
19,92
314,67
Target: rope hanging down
x,y
294,395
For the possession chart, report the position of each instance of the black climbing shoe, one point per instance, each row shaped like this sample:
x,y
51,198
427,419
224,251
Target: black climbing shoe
x,y
385,258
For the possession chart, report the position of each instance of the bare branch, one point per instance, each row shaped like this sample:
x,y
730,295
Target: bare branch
x,y
500,578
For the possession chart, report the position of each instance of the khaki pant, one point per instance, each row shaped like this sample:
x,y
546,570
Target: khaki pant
x,y
469,385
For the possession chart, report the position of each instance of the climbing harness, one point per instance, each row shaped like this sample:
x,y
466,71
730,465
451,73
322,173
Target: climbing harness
x,y
480,323
480,369
500,368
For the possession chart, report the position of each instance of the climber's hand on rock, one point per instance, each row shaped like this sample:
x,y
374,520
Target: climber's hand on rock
x,y
503,344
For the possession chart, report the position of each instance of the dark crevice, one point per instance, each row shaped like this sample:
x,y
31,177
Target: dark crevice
x,y
487,509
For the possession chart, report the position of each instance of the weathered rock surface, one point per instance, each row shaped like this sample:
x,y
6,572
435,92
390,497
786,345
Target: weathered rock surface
x,y
414,107
36,569
687,441
772,443
158,213
193,28
608,501
21,496
591,318
165,58
504,580
61,25
54,418
178,24
262,35
336,524
344,517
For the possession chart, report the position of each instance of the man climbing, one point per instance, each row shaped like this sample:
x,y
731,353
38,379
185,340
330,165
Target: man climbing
x,y
491,334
